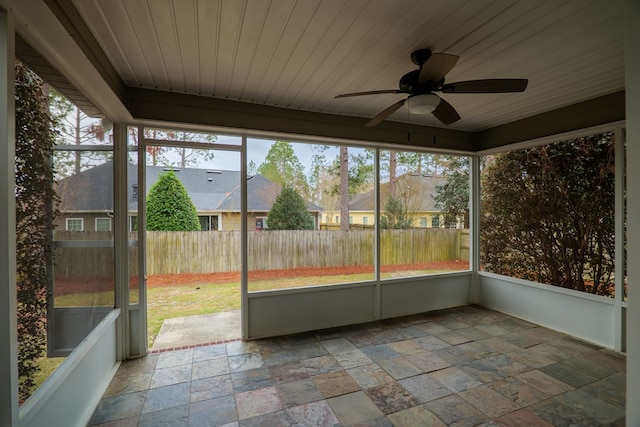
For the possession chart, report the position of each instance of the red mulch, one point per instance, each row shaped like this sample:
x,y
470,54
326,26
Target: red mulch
x,y
65,286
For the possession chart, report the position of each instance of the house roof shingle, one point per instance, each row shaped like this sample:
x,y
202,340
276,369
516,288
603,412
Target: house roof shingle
x,y
210,190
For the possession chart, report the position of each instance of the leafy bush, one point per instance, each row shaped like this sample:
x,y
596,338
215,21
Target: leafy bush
x,y
289,212
169,207
395,215
548,214
35,198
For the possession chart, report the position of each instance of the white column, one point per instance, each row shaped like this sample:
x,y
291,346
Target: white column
x,y
8,302
632,72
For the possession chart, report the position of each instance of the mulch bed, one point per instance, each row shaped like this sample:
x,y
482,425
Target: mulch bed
x,y
66,286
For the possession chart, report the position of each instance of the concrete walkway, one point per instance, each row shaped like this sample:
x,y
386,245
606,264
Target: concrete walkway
x,y
193,330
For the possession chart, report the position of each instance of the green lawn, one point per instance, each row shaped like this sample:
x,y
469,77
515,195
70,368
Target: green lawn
x,y
167,302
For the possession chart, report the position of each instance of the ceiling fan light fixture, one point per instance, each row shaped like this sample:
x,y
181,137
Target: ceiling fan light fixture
x,y
423,104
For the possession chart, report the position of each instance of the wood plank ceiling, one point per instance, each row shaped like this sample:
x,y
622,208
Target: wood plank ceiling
x,y
300,54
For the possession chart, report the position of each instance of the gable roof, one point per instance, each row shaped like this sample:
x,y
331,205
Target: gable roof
x,y
419,189
209,189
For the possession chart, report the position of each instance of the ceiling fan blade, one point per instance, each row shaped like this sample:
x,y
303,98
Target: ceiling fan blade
x,y
446,113
486,86
385,113
437,66
371,92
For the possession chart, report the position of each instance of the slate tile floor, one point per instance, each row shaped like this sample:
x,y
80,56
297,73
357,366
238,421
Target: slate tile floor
x,y
466,366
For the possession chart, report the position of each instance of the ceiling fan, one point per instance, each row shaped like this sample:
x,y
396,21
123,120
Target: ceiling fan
x,y
421,84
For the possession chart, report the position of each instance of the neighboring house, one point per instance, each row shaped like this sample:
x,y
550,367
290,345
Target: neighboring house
x,y
417,193
86,205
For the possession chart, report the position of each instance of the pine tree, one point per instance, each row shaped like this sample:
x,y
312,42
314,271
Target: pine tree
x,y
169,207
289,212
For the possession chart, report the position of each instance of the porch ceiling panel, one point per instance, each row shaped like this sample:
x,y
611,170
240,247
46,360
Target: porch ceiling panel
x,y
300,54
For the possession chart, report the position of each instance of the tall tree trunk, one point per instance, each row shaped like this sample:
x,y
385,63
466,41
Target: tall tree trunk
x,y
392,173
344,189
78,138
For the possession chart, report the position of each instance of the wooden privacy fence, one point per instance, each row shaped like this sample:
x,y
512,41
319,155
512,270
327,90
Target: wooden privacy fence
x,y
174,252
206,252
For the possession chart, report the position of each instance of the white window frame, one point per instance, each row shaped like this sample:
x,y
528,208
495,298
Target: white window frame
x,y
74,219
103,218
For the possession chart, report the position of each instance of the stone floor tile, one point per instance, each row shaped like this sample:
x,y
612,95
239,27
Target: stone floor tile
x,y
455,412
521,418
338,345
591,365
549,351
376,422
424,388
211,388
387,336
567,374
320,365
369,375
354,408
524,338
313,414
544,382
591,406
412,331
177,416
292,371
611,389
310,350
126,422
433,328
213,412
431,343
129,382
118,407
399,367
519,392
296,393
428,361
166,397
277,418
558,413
488,401
495,329
241,347
245,362
175,358
418,416
474,333
257,402
171,375
405,347
390,398
351,359
380,352
482,371
279,357
498,345
333,384
530,359
453,323
251,379
209,368
454,379
139,365
456,354
508,363
209,352
453,338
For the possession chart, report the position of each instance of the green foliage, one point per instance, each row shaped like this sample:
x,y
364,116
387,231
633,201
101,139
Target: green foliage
x,y
169,207
282,166
452,197
395,215
548,214
289,212
35,214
